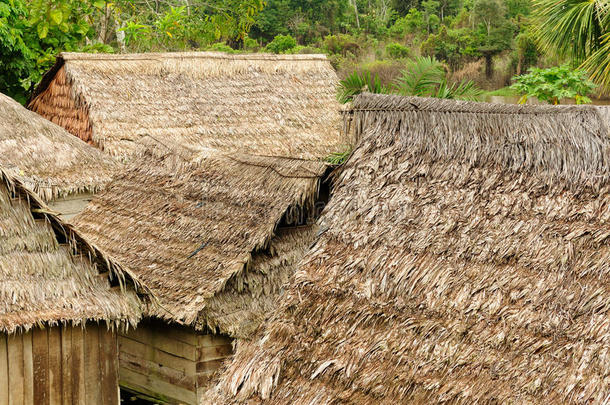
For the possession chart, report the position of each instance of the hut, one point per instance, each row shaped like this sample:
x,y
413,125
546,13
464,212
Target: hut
x,y
249,103
61,302
464,259
214,238
64,171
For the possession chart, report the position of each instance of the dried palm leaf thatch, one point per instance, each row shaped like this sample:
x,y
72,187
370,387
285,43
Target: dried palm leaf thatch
x,y
465,260
200,235
46,158
249,297
280,105
50,275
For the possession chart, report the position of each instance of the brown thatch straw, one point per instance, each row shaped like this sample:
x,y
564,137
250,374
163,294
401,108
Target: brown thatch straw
x,y
201,235
465,259
49,274
280,105
46,157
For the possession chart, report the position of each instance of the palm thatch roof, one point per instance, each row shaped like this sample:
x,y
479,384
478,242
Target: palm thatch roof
x,y
202,235
465,259
45,157
49,274
279,105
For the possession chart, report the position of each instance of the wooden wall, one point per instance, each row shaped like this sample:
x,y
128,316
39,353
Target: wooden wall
x,y
70,206
170,363
59,365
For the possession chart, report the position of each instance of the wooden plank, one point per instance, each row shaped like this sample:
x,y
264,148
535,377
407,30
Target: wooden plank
x,y
3,370
28,369
40,353
181,333
157,388
66,364
92,364
158,339
208,367
146,367
144,351
78,366
55,384
14,344
109,383
207,353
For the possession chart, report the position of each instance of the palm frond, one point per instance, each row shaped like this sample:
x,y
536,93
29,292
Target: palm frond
x,y
358,82
572,28
420,78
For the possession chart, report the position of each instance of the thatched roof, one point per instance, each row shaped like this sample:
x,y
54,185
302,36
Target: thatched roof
x,y
49,274
46,157
465,259
202,236
279,105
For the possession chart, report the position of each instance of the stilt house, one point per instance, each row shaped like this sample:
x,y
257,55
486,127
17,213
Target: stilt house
x,y
61,303
465,259
64,171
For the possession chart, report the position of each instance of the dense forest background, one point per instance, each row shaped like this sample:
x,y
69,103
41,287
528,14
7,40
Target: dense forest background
x,y
487,42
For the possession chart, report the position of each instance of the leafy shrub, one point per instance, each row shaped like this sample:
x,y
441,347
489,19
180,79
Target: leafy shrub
x,y
409,24
282,44
221,47
250,44
341,44
553,84
397,51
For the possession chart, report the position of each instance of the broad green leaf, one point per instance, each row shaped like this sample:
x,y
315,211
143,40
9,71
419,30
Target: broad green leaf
x,y
42,29
56,16
99,4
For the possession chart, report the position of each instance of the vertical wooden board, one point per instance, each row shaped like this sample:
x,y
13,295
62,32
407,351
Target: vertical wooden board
x,y
109,382
66,364
28,369
15,367
55,384
3,370
78,366
40,353
92,364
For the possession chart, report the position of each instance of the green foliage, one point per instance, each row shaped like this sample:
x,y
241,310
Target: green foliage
x,y
554,84
251,45
282,44
342,44
396,51
577,29
221,47
573,28
338,158
16,57
426,77
359,82
411,23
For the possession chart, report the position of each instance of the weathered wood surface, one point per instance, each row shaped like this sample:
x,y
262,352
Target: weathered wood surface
x,y
59,365
168,362
70,206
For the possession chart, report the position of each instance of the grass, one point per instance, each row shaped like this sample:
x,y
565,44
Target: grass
x,y
503,92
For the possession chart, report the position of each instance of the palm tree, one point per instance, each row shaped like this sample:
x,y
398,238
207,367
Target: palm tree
x,y
423,77
578,29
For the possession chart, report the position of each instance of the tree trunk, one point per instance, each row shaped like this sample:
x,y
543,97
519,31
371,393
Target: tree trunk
x,y
120,35
489,67
356,11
